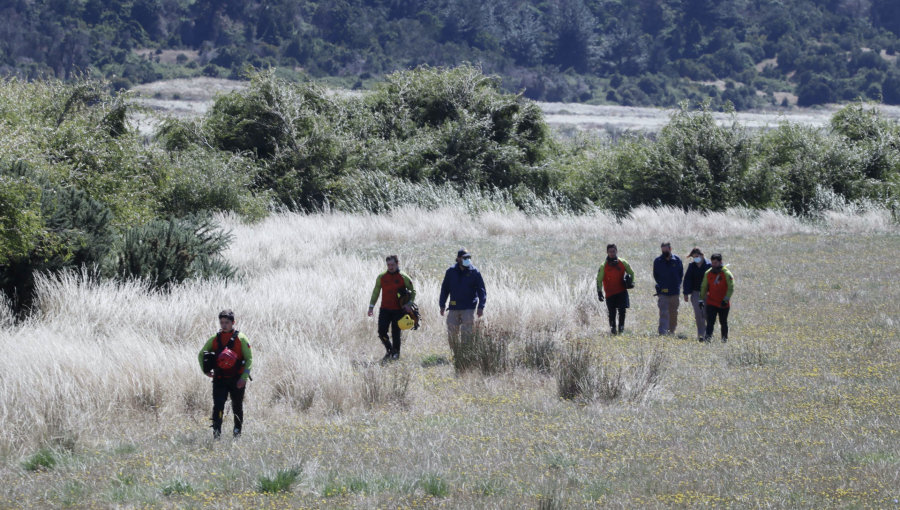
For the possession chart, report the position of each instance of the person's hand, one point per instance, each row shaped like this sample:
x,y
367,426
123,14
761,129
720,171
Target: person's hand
x,y
370,311
725,302
700,305
210,375
241,383
442,312
407,308
685,298
481,312
600,296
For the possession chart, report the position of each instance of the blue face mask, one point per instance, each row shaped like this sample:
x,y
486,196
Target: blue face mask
x,y
698,259
467,262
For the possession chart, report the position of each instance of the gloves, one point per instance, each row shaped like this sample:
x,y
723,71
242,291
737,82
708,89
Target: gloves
x,y
600,295
725,302
700,305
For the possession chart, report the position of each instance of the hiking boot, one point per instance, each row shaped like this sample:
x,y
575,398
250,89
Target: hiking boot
x,y
237,433
613,331
621,329
395,356
724,340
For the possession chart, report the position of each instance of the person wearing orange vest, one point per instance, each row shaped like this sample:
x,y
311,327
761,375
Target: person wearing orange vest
x,y
615,277
715,296
229,352
388,286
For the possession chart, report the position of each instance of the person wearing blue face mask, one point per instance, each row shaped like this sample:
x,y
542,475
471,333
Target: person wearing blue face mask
x,y
464,285
668,272
693,280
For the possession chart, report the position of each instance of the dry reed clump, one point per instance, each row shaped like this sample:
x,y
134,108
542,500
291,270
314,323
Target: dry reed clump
x,y
748,353
539,352
384,385
582,375
485,351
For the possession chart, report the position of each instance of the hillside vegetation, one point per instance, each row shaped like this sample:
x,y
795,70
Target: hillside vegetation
x,y
643,52
80,187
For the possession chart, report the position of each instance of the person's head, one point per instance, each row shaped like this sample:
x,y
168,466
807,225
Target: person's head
x,y
666,248
226,320
612,251
696,255
716,260
393,263
464,258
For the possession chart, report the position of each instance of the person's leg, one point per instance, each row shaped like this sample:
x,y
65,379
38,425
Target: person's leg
x,y
723,321
711,313
395,332
662,303
673,313
384,322
237,405
698,315
454,318
467,324
220,395
611,310
622,308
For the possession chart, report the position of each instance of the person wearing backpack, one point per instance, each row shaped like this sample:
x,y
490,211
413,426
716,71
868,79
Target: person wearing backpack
x,y
227,359
388,285
715,296
698,265
464,286
615,277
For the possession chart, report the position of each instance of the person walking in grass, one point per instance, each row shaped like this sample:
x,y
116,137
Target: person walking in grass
x,y
693,281
615,277
668,272
464,286
389,285
715,296
227,359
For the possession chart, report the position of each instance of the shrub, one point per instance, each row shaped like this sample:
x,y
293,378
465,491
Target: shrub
x,y
485,351
580,375
171,251
382,385
281,481
42,460
539,353
748,354
435,485
177,487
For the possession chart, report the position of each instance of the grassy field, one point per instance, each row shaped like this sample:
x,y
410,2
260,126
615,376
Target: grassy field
x,y
104,406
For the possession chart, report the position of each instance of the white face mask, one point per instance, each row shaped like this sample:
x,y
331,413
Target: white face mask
x,y
698,259
467,262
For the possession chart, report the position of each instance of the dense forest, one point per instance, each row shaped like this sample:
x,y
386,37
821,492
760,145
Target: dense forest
x,y
751,53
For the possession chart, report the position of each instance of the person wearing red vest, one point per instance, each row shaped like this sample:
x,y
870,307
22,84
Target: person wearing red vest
x,y
715,296
615,277
232,360
388,286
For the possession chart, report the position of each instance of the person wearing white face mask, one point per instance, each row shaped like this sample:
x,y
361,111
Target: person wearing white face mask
x,y
698,265
464,286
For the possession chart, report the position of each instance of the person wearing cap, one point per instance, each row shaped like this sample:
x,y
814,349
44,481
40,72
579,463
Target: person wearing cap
x,y
233,359
389,285
464,285
668,271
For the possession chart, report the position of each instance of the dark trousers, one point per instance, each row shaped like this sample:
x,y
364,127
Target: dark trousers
x,y
222,388
617,304
388,318
711,313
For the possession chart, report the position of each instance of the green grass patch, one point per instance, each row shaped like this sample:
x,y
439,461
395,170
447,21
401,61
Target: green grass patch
x,y
435,485
434,360
42,460
176,487
281,481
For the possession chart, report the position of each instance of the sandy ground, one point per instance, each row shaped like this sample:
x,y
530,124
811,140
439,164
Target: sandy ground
x,y
193,97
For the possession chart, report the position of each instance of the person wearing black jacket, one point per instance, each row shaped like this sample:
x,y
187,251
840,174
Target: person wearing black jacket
x,y
693,279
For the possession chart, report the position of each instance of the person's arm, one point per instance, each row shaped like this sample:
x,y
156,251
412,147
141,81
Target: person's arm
x,y
481,292
376,293
687,284
729,279
600,280
655,276
628,269
409,285
206,347
445,292
704,287
248,356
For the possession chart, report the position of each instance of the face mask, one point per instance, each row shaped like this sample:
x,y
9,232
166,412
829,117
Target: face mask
x,y
467,262
667,254
698,259
612,260
717,269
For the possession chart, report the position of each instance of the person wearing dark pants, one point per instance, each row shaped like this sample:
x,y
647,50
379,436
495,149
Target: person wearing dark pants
x,y
693,280
668,272
615,277
231,359
715,296
388,285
